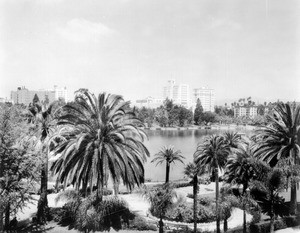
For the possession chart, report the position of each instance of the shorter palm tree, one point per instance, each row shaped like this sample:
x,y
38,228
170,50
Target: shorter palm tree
x,y
192,171
161,199
267,194
169,155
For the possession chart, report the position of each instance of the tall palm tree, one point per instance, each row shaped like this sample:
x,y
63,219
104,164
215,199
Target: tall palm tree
x,y
44,122
169,155
280,139
99,131
234,140
212,154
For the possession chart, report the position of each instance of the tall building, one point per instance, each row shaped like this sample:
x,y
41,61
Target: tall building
x,y
179,93
61,93
207,98
25,96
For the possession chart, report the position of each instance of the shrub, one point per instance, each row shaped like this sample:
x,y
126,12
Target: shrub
x,y
140,224
206,201
182,184
180,213
95,216
184,213
264,227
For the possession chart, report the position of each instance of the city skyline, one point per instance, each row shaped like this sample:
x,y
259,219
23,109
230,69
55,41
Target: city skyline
x,y
131,48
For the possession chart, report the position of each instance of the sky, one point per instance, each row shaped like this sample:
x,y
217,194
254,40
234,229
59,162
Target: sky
x,y
132,47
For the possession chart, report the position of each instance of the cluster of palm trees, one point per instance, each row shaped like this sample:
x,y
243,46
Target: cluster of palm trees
x,y
273,150
95,137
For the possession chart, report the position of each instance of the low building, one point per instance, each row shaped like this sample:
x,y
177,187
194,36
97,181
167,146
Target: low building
x,y
24,96
149,102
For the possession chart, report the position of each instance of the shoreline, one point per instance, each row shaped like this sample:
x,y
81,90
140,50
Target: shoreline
x,y
211,127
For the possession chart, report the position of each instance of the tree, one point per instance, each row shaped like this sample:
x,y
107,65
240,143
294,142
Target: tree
x,y
43,127
184,116
18,164
99,131
35,99
280,140
161,116
212,154
192,171
240,170
267,193
198,112
208,117
168,155
226,203
161,199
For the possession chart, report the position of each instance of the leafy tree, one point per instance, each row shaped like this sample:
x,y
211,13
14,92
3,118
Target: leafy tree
x,y
100,131
35,99
198,113
168,155
280,140
17,163
184,116
213,154
161,116
208,117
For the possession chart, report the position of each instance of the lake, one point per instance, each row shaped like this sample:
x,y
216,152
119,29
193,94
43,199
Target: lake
x,y
184,140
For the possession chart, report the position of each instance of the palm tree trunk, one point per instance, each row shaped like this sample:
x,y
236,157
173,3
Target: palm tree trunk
x,y
217,199
293,201
195,192
7,215
225,224
272,217
42,211
1,202
161,225
244,220
167,172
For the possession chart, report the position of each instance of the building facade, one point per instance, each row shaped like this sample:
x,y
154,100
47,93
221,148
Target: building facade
x,y
149,102
178,93
207,98
24,96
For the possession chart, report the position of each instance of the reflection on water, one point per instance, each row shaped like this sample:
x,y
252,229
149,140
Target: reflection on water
x,y
184,140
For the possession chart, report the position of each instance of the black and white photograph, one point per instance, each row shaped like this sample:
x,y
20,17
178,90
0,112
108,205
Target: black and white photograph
x,y
150,116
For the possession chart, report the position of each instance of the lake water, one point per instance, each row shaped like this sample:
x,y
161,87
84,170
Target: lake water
x,y
184,140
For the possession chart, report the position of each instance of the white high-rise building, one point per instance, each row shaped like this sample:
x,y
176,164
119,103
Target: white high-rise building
x,y
61,93
206,96
179,93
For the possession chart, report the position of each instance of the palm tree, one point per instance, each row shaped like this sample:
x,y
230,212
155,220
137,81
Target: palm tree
x,y
192,171
267,193
227,202
280,140
100,131
161,199
241,168
43,126
234,140
169,155
212,154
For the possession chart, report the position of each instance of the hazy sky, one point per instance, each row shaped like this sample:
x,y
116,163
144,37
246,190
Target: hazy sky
x,y
239,48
